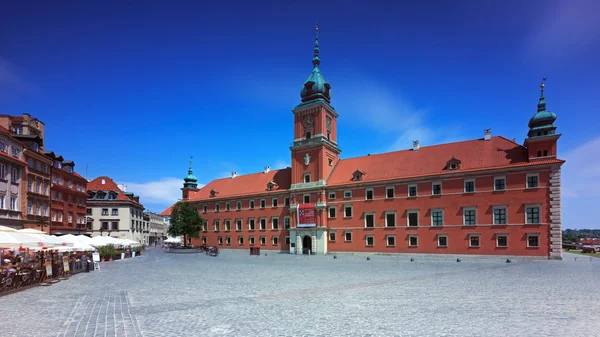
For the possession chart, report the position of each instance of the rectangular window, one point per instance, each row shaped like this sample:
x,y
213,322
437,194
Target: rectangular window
x,y
369,194
307,198
204,208
275,240
115,225
499,184
369,220
44,206
286,222
332,236
287,240
38,165
473,240
238,224
347,211
115,211
436,188
533,180
240,240
469,216
331,195
15,175
263,223
501,240
38,187
263,203
60,198
220,240
263,240
500,216
251,204
2,171
227,225
442,240
533,240
251,224
251,240
413,240
391,240
29,207
104,224
238,205
30,185
412,190
286,201
469,186
437,217
227,240
389,192
217,225
105,211
70,217
307,177
533,215
274,202
205,226
217,207
204,240
275,223
89,211
413,218
390,219
370,240
227,206
332,211
347,194
348,236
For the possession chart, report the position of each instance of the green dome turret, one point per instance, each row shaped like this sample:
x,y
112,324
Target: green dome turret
x,y
190,181
315,86
542,123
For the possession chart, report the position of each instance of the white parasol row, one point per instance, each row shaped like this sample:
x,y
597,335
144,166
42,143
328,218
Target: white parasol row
x,y
173,240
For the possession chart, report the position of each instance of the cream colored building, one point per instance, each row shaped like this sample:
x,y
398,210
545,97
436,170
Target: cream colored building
x,y
111,211
158,228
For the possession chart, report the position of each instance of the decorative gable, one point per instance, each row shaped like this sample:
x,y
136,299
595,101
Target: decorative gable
x,y
271,185
358,175
453,164
213,193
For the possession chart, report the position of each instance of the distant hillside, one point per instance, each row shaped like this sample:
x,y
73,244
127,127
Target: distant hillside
x,y
573,235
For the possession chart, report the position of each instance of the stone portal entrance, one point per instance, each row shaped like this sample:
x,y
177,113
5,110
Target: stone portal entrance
x,y
307,245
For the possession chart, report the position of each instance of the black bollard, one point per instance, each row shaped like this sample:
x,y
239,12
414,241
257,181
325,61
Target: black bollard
x,y
266,254
368,258
412,260
508,261
457,260
335,256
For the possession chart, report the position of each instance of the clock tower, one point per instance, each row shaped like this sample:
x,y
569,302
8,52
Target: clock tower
x,y
315,150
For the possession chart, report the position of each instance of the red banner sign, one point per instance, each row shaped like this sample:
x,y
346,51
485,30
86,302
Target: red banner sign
x,y
306,215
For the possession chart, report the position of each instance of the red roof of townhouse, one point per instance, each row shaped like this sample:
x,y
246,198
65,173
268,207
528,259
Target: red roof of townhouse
x,y
109,185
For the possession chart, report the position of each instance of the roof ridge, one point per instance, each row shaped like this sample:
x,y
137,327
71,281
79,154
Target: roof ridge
x,y
248,174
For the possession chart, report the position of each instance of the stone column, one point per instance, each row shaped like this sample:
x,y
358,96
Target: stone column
x,y
298,244
555,215
314,245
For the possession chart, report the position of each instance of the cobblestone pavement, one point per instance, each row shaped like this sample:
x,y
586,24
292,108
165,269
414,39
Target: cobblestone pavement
x,y
234,294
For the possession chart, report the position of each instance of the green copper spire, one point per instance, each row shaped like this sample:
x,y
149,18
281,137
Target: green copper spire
x,y
316,87
541,124
190,181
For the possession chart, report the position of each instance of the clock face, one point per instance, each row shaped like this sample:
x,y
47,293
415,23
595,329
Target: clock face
x,y
309,121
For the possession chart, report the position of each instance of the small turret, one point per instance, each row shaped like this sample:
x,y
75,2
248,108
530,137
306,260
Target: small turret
x,y
190,182
315,86
542,139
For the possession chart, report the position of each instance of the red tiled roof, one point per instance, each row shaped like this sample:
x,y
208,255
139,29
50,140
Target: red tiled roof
x,y
474,155
167,211
254,183
109,185
16,119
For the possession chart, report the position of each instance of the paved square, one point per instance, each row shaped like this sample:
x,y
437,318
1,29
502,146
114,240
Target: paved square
x,y
235,294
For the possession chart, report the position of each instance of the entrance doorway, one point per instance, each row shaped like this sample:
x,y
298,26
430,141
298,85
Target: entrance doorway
x,y
307,245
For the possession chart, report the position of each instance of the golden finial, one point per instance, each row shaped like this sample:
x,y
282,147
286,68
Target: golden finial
x,y
543,80
317,27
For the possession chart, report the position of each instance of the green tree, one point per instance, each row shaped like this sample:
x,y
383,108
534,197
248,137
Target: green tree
x,y
185,221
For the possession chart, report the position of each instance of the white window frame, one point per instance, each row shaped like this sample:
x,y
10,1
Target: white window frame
x,y
273,239
533,205
217,207
274,202
533,235
413,236
438,240
329,212
331,195
289,220
286,201
251,204
501,234
431,216
240,240
216,223
220,240
367,237
287,240
441,187
251,240
227,225
465,185
469,208
351,212
204,208
249,223
204,240
365,218
345,236
263,240
367,190
304,178
408,211
239,224
498,178
416,190
227,206
273,218
393,188
472,236
260,227
395,218
348,192
387,240
263,202
494,208
532,175
304,198
329,236
238,205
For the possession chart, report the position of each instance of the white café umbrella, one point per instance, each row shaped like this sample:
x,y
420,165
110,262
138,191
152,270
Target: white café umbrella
x,y
43,239
99,241
11,238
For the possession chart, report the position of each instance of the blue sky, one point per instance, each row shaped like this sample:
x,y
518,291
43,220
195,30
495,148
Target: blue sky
x,y
131,90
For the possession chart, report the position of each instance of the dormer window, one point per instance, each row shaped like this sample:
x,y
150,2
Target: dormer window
x,y
271,185
213,193
357,175
453,164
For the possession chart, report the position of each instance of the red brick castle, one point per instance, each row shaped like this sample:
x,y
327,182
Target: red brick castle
x,y
488,196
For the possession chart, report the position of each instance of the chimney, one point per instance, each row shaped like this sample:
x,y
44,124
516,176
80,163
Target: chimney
x,y
267,169
416,145
233,175
487,134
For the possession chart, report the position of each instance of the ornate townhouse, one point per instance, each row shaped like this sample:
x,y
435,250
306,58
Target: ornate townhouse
x,y
157,228
113,212
12,189
487,196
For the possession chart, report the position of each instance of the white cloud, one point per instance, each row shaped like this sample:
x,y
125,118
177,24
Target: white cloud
x,y
165,191
280,164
